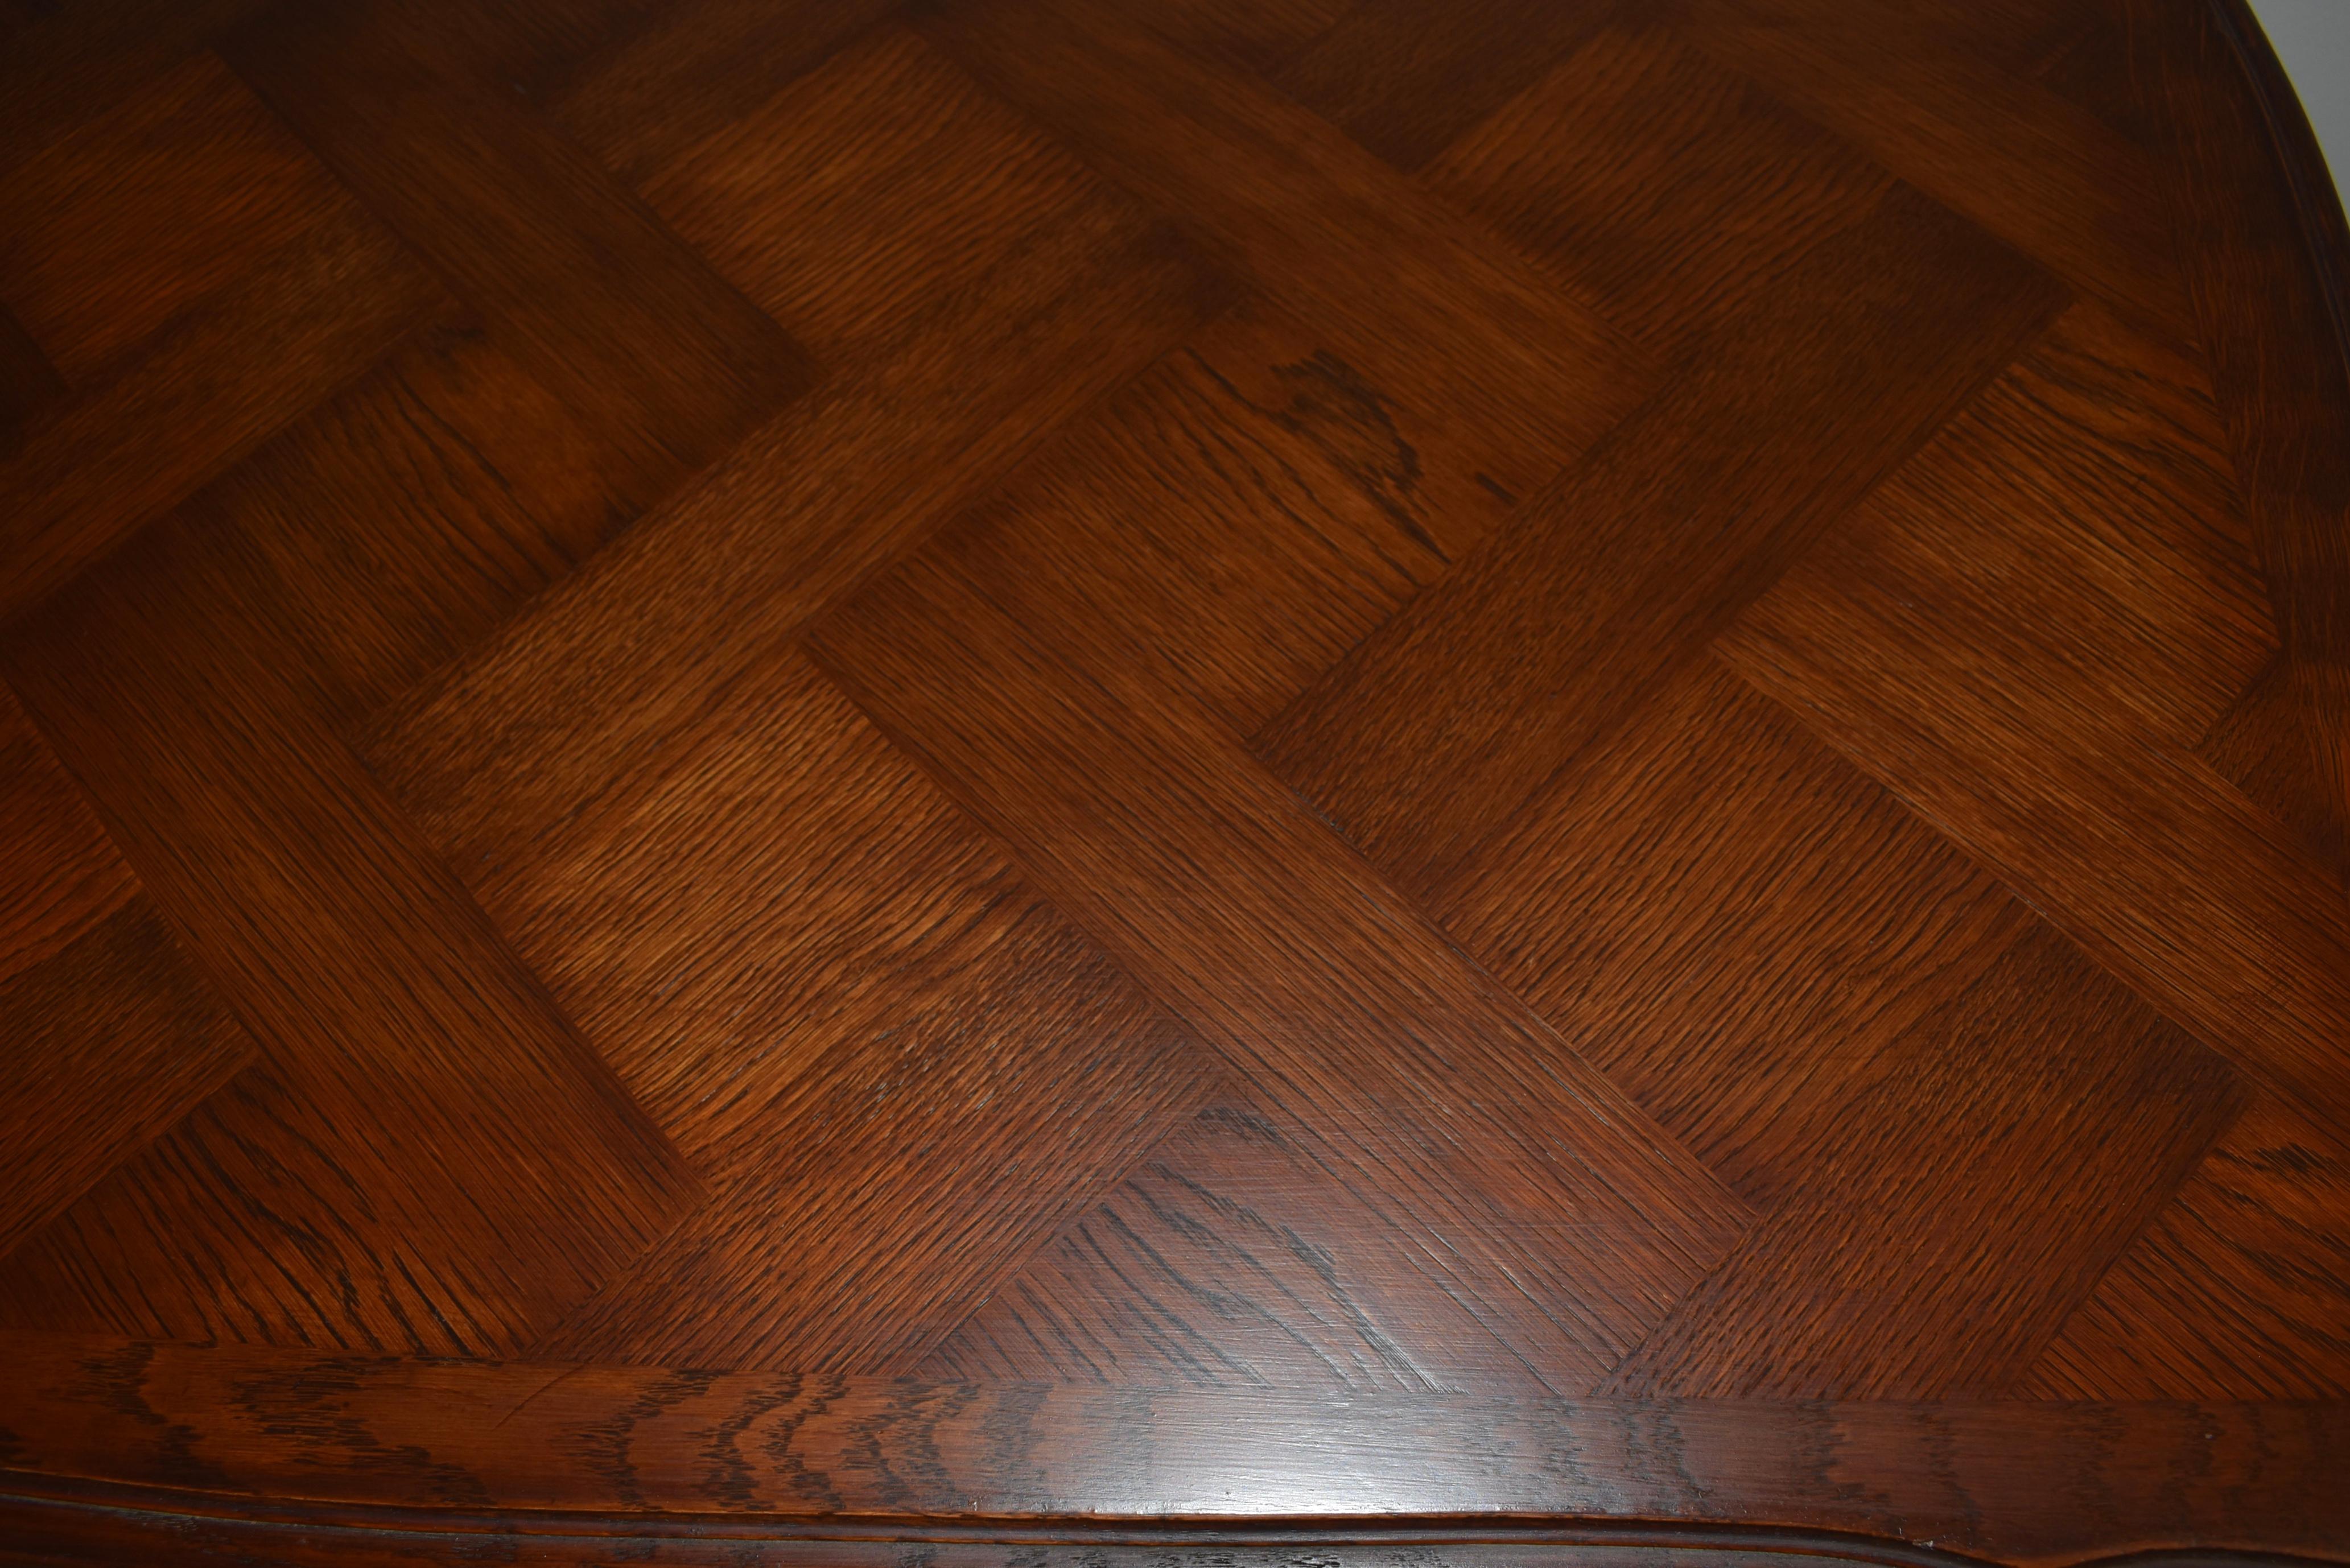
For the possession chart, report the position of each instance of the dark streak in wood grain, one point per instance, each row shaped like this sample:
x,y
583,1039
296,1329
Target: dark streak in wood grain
x,y
1561,623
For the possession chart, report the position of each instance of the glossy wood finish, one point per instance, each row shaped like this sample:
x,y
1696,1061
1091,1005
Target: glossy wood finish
x,y
1038,781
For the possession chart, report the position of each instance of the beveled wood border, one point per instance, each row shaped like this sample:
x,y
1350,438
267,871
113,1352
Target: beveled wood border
x,y
2309,182
104,1441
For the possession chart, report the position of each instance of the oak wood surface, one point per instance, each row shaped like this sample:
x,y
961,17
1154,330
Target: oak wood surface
x,y
1049,782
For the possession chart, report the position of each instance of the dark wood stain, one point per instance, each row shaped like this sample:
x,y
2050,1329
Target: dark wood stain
x,y
1232,784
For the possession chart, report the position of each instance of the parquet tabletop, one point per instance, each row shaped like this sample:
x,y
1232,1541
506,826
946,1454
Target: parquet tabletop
x,y
1250,782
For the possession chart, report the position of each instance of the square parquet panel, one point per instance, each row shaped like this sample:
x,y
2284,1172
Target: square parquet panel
x,y
1043,757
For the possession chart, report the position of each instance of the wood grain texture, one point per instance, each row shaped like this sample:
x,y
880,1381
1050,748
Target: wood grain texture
x,y
1406,81
2041,173
66,65
580,284
928,1153
59,874
1674,187
607,675
1166,800
1232,1256
923,1069
1955,1261
1730,921
110,1042
400,522
29,384
1552,631
2262,240
2025,1483
401,1019
697,70
2239,1282
1235,783
2079,793
223,379
1399,284
199,184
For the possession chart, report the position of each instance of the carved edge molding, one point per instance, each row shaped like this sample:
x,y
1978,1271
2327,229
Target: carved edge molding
x,y
107,1441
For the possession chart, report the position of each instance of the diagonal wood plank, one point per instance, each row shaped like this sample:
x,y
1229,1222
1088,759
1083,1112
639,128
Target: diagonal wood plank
x,y
1141,818
1898,642
399,523
222,380
583,285
1730,921
139,214
920,1153
1599,587
1962,1204
1259,35
896,1072
397,1026
2040,172
2242,1282
59,874
109,1035
641,106
961,358
1232,1257
110,1042
2256,241
1397,283
71,64
29,384
1230,521
1678,190
1407,79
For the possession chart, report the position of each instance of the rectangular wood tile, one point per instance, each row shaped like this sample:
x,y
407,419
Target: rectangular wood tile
x,y
749,909
59,873
2241,1283
2047,747
913,1164
248,1222
1231,1258
108,234
2043,174
2007,1152
389,530
1560,624
971,190
1406,81
1673,187
1399,284
597,684
695,69
1231,522
1140,817
221,380
1730,921
399,1027
587,290
110,1043
70,64
2086,504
